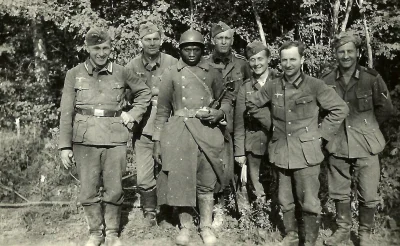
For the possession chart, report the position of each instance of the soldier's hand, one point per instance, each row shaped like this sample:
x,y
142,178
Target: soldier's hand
x,y
157,152
127,119
213,116
67,158
241,160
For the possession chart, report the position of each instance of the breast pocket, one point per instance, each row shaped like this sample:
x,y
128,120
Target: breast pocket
x,y
364,100
83,92
305,107
117,92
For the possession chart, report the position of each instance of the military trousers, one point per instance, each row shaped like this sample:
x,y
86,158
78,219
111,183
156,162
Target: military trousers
x,y
299,186
254,163
366,173
100,166
144,162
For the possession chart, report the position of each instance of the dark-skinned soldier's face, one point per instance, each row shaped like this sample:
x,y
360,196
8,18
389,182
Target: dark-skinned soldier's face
x,y
191,53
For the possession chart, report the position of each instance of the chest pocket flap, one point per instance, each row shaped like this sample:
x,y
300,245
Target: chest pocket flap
x,y
304,100
364,100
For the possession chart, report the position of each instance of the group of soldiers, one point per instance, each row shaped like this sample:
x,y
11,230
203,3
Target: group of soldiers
x,y
193,118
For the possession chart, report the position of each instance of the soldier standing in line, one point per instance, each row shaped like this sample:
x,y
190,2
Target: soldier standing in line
x,y
355,148
250,136
150,65
295,146
188,141
94,133
234,70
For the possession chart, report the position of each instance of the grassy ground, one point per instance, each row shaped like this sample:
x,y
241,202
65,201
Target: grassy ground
x,y
66,226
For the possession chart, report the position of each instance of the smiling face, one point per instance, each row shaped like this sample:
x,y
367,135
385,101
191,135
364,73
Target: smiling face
x,y
223,42
347,55
191,53
99,53
151,43
259,62
291,61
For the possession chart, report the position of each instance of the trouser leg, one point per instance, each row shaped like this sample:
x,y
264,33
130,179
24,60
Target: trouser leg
x,y
94,220
254,163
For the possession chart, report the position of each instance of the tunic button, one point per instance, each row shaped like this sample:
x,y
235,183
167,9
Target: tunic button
x,y
347,102
289,110
183,98
289,122
289,134
185,107
152,75
349,126
183,87
202,98
186,119
183,77
204,78
99,80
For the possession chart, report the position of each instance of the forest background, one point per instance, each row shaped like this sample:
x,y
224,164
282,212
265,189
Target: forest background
x,y
41,39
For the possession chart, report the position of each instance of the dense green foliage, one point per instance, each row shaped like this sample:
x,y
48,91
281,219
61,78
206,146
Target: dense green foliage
x,y
62,24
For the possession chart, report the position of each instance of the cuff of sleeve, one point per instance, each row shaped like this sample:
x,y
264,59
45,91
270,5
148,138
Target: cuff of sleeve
x,y
225,108
156,136
135,115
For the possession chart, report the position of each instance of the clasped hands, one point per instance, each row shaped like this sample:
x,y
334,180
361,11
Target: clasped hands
x,y
210,114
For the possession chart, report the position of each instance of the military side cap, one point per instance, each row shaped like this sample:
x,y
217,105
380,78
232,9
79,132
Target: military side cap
x,y
96,35
218,28
147,28
344,38
254,48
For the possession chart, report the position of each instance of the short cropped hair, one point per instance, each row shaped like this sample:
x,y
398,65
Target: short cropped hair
x,y
289,44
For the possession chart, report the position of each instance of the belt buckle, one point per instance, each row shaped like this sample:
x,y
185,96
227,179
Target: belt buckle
x,y
98,112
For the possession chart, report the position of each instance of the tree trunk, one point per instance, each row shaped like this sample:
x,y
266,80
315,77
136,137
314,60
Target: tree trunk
x,y
349,5
259,24
335,17
40,55
367,37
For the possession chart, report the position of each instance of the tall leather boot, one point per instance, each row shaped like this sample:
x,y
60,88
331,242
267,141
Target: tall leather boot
x,y
148,199
290,223
343,222
366,222
206,204
94,219
311,228
112,218
186,222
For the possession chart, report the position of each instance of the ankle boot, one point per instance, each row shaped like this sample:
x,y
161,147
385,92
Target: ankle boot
x,y
366,223
343,222
186,222
206,204
290,223
94,219
148,199
311,228
112,218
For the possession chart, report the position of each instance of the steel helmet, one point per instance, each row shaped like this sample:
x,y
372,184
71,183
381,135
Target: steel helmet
x,y
191,36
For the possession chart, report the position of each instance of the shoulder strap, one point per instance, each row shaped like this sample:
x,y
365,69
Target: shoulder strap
x,y
203,84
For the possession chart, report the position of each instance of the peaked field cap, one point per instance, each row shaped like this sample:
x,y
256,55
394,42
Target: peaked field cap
x,y
254,48
96,35
147,28
218,28
344,38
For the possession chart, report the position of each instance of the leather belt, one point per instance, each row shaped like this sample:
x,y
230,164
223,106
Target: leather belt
x,y
190,113
98,112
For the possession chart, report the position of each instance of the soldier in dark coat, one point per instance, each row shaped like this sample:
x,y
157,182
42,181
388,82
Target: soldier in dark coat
x,y
295,146
250,136
188,141
150,65
355,148
94,133
234,70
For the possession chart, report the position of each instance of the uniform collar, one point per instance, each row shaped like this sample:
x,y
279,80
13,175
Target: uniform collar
x,y
148,64
218,58
356,73
298,81
90,67
202,64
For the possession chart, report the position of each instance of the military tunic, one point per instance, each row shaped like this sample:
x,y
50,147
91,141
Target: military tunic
x,y
90,124
142,139
295,147
250,136
189,147
359,139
